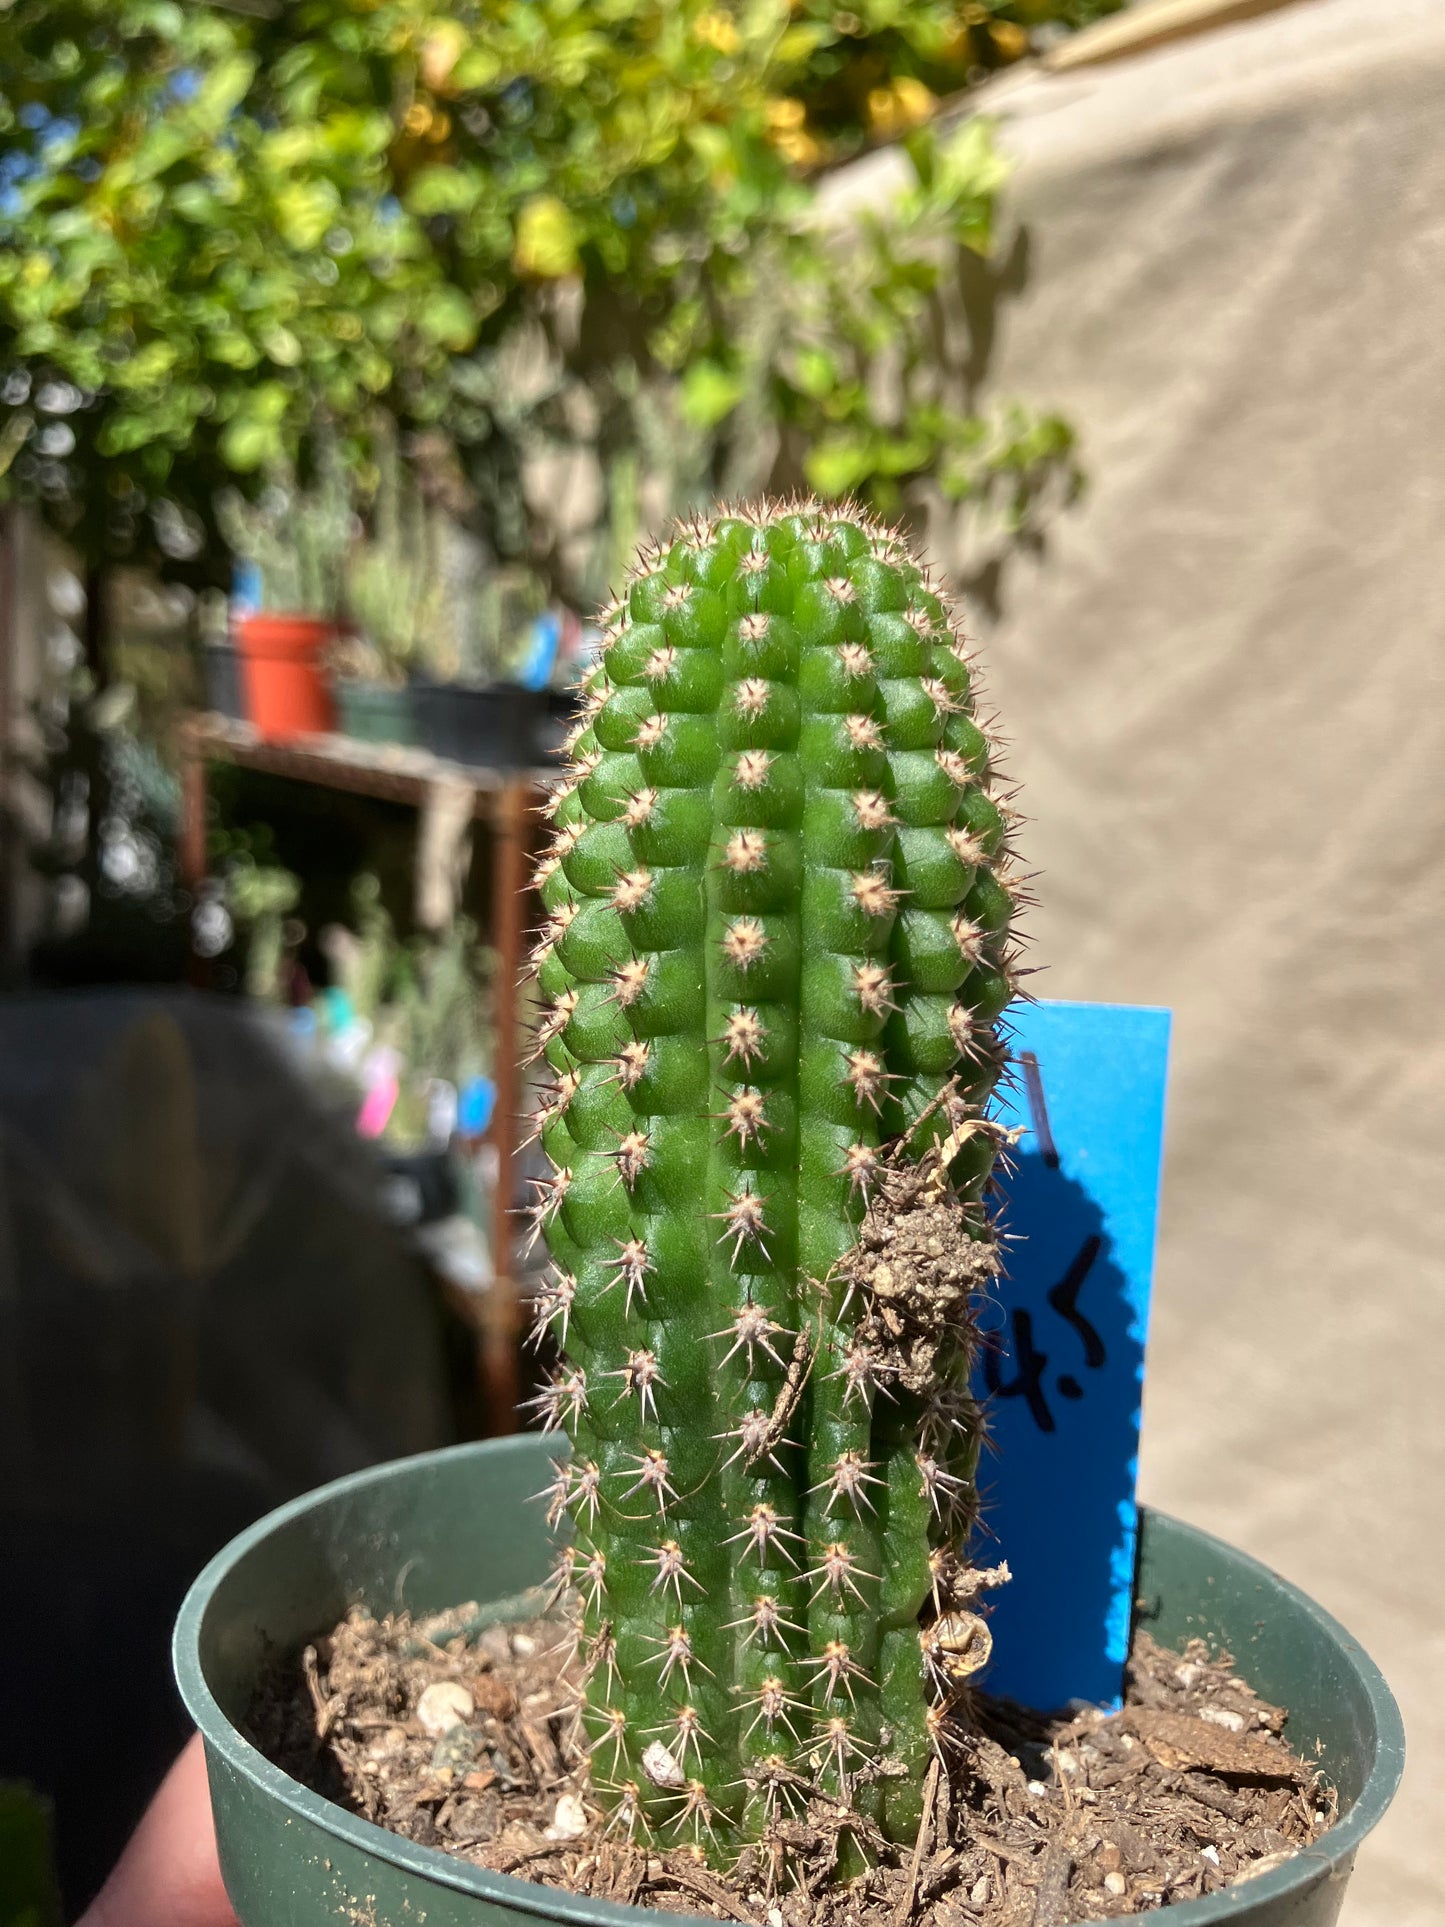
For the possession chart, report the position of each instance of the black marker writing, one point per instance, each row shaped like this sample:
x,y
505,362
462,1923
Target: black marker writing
x,y
1028,1380
1065,1300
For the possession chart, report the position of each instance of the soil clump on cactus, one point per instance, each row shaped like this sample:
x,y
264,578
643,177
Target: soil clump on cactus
x,y
461,1739
918,1270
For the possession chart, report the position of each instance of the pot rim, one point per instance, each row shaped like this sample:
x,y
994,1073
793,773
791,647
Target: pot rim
x,y
277,635
1331,1856
285,618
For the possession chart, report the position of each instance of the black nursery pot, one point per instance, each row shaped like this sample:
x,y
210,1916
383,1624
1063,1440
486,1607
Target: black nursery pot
x,y
423,1534
492,727
421,1187
224,693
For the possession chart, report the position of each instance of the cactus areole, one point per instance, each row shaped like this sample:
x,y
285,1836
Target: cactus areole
x,y
777,952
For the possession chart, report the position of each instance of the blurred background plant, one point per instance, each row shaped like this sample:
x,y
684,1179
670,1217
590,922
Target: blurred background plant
x,y
876,70
395,590
406,1023
575,256
260,901
292,542
425,312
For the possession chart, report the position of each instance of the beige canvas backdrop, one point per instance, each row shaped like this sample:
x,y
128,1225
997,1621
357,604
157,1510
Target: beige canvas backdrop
x,y
1224,682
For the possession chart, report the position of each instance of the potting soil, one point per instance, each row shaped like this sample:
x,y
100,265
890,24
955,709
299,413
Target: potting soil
x,y
464,1741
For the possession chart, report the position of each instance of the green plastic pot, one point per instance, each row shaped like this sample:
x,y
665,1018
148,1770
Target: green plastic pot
x,y
373,712
425,1533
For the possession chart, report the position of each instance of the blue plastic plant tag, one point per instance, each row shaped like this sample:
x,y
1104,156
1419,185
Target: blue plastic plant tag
x,y
1063,1366
476,1101
542,641
245,587
338,1011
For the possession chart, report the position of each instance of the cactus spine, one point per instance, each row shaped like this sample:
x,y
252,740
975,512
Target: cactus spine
x,y
776,952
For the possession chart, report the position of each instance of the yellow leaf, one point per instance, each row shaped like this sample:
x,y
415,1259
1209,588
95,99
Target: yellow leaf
x,y
546,240
717,30
1011,40
799,148
893,110
442,49
784,112
915,102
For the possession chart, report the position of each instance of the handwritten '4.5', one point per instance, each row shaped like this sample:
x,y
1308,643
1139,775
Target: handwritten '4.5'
x,y
1028,1379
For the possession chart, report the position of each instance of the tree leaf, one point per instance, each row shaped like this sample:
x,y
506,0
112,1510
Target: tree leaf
x,y
840,464
546,240
442,190
710,392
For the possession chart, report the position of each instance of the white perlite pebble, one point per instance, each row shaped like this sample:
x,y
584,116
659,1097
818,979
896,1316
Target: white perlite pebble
x,y
445,1703
660,1767
1210,1853
569,1818
1116,1883
1222,1716
978,1893
1267,1865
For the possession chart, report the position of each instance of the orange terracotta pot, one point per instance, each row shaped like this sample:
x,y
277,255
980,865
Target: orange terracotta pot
x,y
284,673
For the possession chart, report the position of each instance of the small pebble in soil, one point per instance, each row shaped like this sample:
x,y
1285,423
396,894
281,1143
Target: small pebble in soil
x,y
1270,1861
569,1818
444,1704
1223,1716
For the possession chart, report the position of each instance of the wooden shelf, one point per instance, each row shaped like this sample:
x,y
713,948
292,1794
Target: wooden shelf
x,y
506,801
393,771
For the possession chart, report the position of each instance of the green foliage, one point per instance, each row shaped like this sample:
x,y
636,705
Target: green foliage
x,y
394,592
366,960
875,69
187,248
533,225
297,538
438,1024
262,899
778,949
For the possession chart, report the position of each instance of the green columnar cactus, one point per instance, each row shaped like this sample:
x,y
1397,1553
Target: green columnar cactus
x,y
777,950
